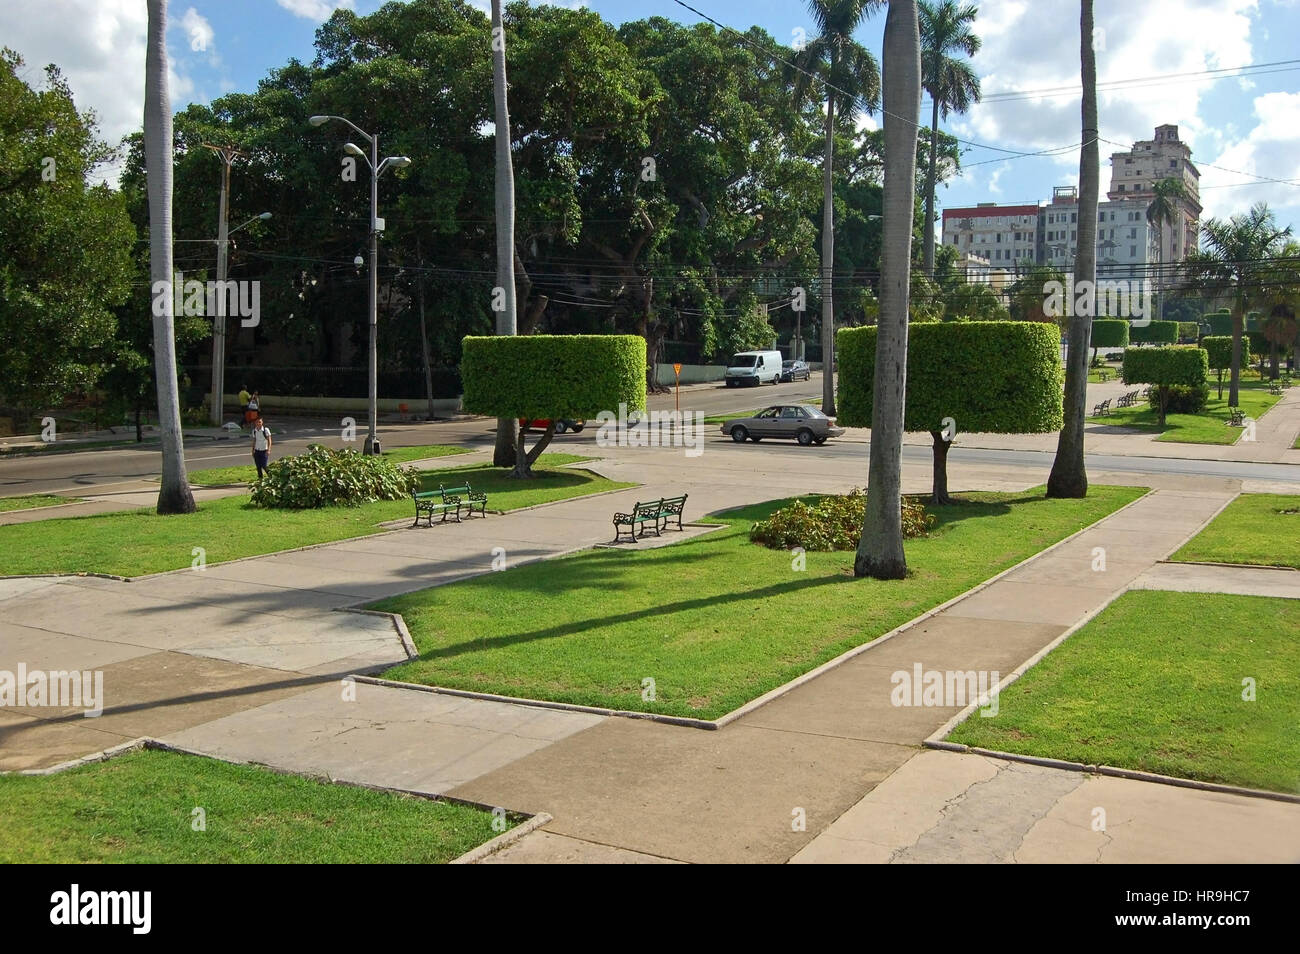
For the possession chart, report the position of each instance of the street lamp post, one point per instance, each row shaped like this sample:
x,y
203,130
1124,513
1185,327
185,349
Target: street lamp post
x,y
376,226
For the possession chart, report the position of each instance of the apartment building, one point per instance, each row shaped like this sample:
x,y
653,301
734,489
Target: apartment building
x,y
1004,235
1133,176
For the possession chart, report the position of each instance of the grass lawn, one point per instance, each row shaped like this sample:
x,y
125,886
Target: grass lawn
x,y
1094,375
1208,427
1254,528
715,621
1164,698
32,501
140,541
138,808
247,473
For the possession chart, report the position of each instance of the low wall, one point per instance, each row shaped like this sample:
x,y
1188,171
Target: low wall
x,y
271,404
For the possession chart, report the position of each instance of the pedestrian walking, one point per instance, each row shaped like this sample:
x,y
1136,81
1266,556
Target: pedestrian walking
x,y
261,446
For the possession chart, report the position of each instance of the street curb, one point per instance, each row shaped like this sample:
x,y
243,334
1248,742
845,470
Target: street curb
x,y
1111,771
408,645
685,721
504,840
1235,566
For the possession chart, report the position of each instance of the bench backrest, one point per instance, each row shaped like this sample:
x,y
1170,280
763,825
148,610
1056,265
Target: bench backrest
x,y
648,507
453,490
674,501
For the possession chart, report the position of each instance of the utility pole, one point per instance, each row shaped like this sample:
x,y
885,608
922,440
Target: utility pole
x,y
227,155
424,334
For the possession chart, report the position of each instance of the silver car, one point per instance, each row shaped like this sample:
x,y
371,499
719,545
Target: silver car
x,y
803,422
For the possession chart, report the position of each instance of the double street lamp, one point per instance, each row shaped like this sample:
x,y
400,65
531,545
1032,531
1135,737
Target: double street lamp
x,y
376,226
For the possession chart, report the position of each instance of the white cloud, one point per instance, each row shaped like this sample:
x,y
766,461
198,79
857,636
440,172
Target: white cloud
x,y
1025,50
1271,148
198,31
318,10
100,47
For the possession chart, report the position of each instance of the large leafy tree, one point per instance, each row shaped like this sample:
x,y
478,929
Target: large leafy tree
x,y
65,245
1069,477
953,85
1235,267
847,76
880,551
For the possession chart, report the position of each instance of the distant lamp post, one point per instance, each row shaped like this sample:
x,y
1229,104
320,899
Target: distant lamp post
x,y
376,226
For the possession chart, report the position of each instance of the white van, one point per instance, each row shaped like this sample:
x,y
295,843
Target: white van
x,y
754,367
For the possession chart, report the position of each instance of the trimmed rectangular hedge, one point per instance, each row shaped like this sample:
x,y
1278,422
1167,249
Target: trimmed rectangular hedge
x,y
1002,377
1218,351
1110,333
1185,365
553,376
1158,332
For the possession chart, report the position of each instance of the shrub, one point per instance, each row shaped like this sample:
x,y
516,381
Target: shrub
x,y
1157,332
1109,333
1181,399
1188,331
553,376
1219,322
1001,377
1165,368
330,478
833,522
1218,351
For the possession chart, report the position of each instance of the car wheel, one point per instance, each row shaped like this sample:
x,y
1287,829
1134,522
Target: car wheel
x,y
805,437
739,435
577,428
819,441
755,438
561,427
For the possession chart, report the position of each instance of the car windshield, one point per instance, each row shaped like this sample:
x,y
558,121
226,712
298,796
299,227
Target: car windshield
x,y
743,360
787,364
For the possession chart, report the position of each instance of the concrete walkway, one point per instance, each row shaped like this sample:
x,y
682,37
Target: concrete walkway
x,y
248,660
1208,578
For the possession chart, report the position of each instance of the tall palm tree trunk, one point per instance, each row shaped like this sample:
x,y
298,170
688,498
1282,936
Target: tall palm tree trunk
x,y
828,262
174,495
930,179
504,454
880,551
1069,478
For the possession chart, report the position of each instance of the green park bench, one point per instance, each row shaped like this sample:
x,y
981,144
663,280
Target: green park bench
x,y
1100,409
644,514
464,496
1275,387
1103,374
1236,417
428,503
672,507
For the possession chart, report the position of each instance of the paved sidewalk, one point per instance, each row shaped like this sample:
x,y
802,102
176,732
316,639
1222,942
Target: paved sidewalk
x,y
245,660
957,808
1207,578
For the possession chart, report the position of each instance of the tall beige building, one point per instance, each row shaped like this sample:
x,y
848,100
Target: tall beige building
x,y
1133,175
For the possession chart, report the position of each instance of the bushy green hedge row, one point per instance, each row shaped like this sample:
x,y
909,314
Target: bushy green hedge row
x,y
1218,351
1188,331
1157,332
1001,377
330,478
1110,333
1182,364
553,376
1219,323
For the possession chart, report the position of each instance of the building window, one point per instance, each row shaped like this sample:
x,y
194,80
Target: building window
x,y
1173,163
1132,233
1132,251
1121,187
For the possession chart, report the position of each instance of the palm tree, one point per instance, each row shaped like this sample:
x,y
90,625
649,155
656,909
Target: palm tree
x,y
1280,327
506,452
1235,267
1163,210
880,551
951,83
1069,477
174,495
850,77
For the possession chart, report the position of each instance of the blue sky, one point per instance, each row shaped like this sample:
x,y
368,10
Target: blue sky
x,y
1243,130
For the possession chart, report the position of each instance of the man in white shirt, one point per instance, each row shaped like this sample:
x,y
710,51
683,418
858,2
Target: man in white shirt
x,y
261,446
